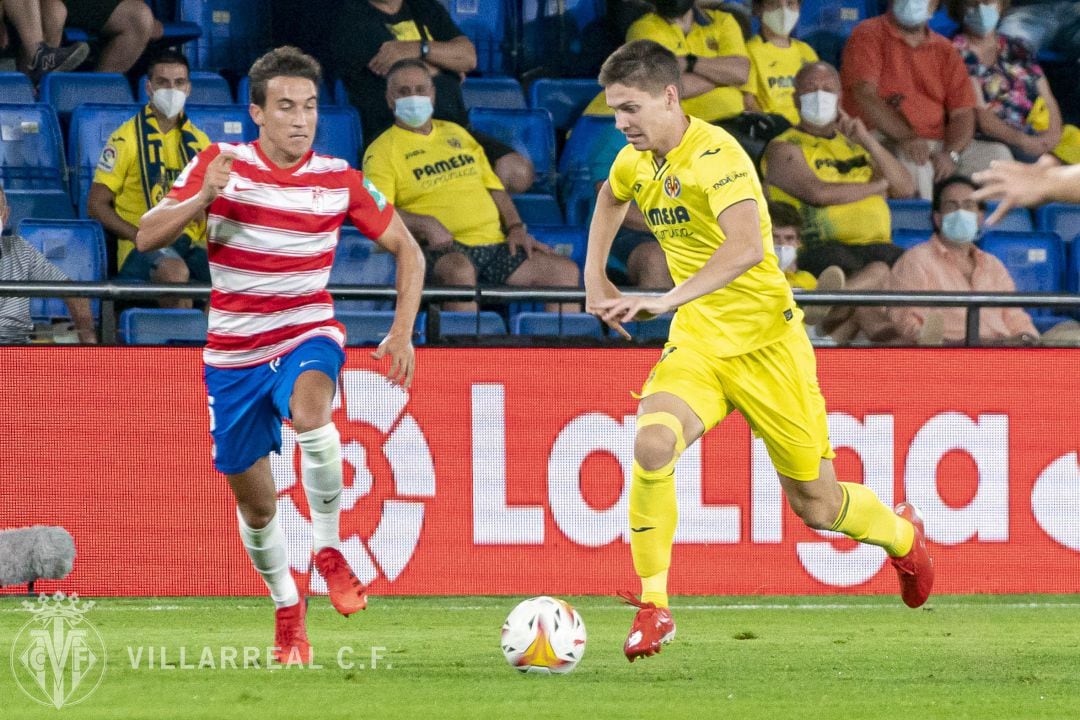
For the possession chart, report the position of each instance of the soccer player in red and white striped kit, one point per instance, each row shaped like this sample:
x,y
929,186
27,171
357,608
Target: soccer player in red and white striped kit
x,y
274,209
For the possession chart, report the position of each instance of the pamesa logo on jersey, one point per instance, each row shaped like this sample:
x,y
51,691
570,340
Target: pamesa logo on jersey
x,y
672,186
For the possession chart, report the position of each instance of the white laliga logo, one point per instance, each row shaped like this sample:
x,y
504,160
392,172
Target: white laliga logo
x,y
369,399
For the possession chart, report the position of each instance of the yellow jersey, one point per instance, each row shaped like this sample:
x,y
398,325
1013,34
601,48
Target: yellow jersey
x,y
444,174
772,74
801,279
837,159
120,168
681,197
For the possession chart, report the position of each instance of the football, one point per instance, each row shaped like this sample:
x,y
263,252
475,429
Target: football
x,y
543,635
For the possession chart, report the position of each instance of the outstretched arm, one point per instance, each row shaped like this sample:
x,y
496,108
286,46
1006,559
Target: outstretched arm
x,y
607,217
164,222
1020,184
410,282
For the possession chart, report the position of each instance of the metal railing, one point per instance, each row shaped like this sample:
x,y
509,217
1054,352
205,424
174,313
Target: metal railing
x,y
111,293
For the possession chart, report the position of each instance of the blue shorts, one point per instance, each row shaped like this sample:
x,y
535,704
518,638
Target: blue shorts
x,y
248,404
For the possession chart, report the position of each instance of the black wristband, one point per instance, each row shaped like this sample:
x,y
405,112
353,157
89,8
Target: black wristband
x,y
425,48
691,61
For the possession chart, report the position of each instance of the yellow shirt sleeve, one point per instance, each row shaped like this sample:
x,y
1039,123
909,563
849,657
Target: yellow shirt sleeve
x,y
653,27
621,177
114,163
728,34
806,52
726,175
379,168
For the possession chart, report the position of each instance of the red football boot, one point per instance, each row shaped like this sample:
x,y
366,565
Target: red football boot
x,y
916,569
346,592
291,646
652,628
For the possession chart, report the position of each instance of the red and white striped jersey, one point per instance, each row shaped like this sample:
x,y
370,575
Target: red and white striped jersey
x,y
272,234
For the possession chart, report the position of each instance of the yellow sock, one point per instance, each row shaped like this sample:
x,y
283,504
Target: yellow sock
x,y
865,518
653,517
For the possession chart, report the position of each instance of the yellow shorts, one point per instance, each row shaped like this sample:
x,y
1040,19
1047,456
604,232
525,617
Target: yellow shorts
x,y
775,388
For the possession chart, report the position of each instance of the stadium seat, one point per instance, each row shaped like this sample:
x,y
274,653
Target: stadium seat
x,y
529,132
162,326
826,24
485,322
650,330
224,123
47,204
1072,275
487,25
207,88
91,126
569,38
1060,218
75,246
364,327
234,33
338,133
31,148
359,261
494,92
15,87
557,324
590,149
564,98
908,238
1016,220
65,91
337,96
911,214
568,240
1036,262
538,209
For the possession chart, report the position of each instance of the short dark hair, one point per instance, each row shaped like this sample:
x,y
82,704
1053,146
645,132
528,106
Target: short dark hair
x,y
285,61
957,8
168,56
641,64
948,182
785,214
405,64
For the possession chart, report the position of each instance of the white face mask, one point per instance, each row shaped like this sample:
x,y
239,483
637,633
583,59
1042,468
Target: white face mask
x,y
781,20
785,256
168,101
818,108
414,110
960,226
982,19
911,13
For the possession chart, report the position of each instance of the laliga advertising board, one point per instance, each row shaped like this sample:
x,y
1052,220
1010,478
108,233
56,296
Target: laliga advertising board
x,y
511,466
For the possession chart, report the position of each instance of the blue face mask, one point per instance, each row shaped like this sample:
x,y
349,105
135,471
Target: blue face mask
x,y
960,226
414,110
911,13
982,19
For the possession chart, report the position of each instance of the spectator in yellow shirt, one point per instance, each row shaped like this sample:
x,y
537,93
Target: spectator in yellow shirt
x,y
775,58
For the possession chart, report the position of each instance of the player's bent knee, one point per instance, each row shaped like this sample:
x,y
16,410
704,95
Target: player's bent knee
x,y
659,441
813,511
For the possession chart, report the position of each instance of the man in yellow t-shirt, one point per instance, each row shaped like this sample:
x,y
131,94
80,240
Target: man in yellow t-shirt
x,y
137,168
439,179
736,342
775,57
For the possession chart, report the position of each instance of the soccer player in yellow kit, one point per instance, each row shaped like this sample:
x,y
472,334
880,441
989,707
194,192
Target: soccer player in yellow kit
x,y
737,340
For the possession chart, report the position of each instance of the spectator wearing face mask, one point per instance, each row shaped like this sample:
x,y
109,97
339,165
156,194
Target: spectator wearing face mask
x,y
950,262
909,84
787,240
136,170
775,58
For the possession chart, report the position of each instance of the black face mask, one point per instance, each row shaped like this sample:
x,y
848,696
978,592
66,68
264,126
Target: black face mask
x,y
671,9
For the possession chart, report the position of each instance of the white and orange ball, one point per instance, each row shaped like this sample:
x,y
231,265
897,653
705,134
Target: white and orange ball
x,y
543,635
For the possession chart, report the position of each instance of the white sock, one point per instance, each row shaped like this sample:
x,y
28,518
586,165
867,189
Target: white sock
x,y
320,463
266,548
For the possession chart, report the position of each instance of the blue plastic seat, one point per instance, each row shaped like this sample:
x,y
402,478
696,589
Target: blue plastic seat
x,y
538,209
564,98
911,214
364,327
31,148
486,24
339,134
650,330
1036,262
466,323
47,204
1060,218
223,123
826,24
557,324
207,88
568,38
91,126
75,246
327,96
586,159
359,261
908,238
162,326
569,240
15,87
65,91
1072,274
529,132
1016,220
234,33
493,92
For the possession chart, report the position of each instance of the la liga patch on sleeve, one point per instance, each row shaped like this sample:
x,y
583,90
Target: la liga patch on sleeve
x,y
107,161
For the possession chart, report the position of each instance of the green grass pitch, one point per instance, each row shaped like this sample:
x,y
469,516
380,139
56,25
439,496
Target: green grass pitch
x,y
979,657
